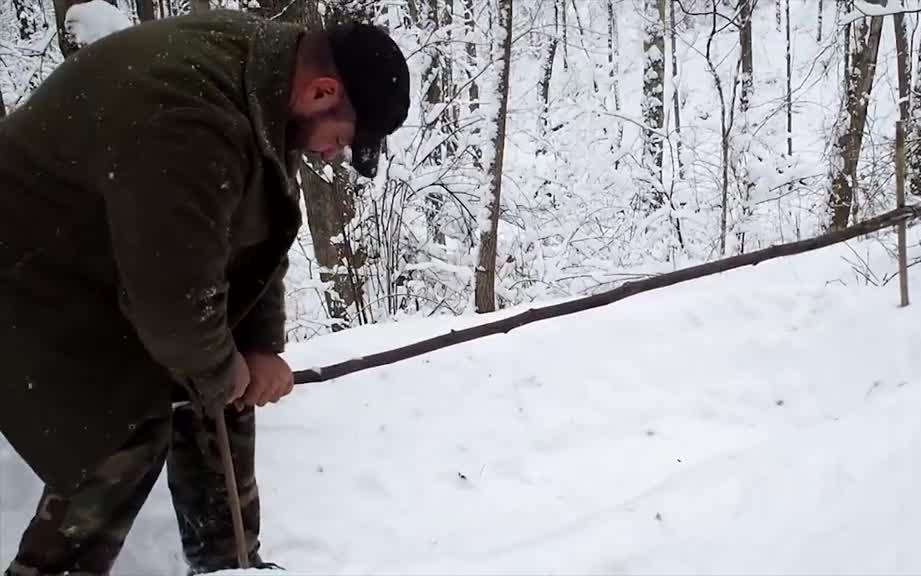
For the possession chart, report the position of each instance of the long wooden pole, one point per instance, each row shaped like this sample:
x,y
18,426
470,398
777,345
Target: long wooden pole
x,y
230,481
892,218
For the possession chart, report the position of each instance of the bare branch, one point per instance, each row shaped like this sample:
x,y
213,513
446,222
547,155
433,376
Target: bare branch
x,y
892,218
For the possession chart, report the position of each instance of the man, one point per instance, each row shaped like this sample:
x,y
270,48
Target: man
x,y
146,209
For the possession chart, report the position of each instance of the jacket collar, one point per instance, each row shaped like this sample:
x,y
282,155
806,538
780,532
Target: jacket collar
x,y
267,80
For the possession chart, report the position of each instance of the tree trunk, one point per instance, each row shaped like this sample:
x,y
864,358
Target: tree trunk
x,y
724,129
653,93
440,82
676,93
331,205
27,16
145,10
614,61
561,6
746,83
545,78
486,271
904,74
914,130
745,40
474,88
434,95
330,209
413,10
821,10
789,86
447,77
2,106
471,56
312,17
848,144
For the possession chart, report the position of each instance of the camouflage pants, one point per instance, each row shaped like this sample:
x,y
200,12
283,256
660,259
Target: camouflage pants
x,y
83,532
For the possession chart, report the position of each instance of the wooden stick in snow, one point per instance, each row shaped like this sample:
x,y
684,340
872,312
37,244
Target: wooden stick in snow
x,y
892,218
230,482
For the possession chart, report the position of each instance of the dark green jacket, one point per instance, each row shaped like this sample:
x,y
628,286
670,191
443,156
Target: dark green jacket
x,y
146,211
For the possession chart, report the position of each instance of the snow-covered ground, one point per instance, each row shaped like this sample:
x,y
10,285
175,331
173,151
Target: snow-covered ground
x,y
763,421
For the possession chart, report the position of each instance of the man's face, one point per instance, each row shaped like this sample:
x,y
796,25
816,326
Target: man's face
x,y
322,119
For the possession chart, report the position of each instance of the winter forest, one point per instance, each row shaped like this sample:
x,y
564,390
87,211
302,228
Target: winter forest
x,y
560,147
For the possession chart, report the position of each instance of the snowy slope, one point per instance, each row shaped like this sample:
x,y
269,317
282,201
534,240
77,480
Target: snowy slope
x,y
763,421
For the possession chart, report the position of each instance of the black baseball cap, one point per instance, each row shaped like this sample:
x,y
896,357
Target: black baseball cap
x,y
376,79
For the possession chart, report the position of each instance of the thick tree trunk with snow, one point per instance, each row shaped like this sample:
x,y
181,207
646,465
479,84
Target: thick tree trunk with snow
x,y
330,209
653,105
846,153
329,204
2,106
486,270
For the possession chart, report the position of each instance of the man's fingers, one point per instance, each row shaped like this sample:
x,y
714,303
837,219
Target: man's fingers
x,y
253,392
271,380
264,393
284,388
240,378
272,393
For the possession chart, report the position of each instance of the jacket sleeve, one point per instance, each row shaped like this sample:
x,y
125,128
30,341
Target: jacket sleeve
x,y
263,328
170,197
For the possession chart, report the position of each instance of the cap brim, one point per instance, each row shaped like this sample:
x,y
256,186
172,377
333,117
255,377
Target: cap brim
x,y
366,153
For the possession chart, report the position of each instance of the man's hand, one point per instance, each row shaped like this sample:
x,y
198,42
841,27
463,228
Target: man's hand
x,y
270,379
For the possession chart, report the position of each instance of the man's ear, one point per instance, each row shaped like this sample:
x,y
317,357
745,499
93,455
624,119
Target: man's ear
x,y
325,93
